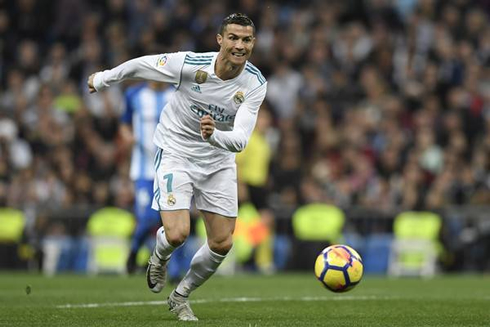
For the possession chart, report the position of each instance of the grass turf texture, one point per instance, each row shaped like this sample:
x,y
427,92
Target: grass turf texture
x,y
245,300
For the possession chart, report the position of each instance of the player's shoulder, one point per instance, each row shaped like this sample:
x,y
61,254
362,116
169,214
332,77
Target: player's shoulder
x,y
199,58
254,74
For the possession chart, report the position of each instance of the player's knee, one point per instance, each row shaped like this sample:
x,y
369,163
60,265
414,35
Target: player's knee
x,y
221,246
176,237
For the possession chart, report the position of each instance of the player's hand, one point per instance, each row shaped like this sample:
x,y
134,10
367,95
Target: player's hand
x,y
207,126
90,83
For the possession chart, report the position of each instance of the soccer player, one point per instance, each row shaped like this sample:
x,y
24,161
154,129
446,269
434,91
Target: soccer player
x,y
143,105
210,117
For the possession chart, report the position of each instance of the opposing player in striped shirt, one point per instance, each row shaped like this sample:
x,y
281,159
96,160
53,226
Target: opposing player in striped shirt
x,y
143,105
210,117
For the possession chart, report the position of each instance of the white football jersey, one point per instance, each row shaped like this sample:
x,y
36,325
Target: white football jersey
x,y
233,103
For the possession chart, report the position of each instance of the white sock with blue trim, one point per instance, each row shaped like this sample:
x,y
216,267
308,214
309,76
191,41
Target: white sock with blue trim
x,y
163,249
203,265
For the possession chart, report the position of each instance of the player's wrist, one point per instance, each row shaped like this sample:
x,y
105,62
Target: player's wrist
x,y
211,138
98,82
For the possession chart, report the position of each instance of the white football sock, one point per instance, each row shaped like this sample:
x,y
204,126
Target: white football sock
x,y
203,265
163,248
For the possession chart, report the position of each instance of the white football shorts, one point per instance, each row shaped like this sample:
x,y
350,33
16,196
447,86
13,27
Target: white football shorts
x,y
178,179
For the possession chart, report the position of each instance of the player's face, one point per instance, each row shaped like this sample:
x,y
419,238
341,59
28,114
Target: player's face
x,y
236,43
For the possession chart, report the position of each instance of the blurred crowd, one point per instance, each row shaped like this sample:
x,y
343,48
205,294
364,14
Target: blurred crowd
x,y
378,103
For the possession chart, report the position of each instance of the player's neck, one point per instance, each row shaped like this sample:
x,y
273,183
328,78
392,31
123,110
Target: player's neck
x,y
226,70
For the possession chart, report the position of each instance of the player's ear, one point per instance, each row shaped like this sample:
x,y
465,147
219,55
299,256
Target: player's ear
x,y
219,39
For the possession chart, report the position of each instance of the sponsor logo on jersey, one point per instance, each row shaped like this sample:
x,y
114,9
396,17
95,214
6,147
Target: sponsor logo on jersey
x,y
216,112
171,200
196,88
162,61
238,97
201,77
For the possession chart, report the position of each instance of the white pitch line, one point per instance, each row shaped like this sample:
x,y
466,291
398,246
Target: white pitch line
x,y
236,299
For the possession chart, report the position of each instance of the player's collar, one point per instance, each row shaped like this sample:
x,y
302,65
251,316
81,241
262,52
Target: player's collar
x,y
210,69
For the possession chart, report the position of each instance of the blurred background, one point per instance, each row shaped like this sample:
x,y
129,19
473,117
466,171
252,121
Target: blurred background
x,y
375,132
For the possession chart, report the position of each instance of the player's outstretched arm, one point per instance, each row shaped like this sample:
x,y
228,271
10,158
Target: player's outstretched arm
x,y
159,68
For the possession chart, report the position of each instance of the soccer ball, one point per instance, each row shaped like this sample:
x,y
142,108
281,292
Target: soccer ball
x,y
339,268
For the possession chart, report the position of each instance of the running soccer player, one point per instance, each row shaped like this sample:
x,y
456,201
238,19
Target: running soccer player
x,y
210,117
143,105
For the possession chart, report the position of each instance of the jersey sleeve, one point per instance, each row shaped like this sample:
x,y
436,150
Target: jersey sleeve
x,y
160,68
237,139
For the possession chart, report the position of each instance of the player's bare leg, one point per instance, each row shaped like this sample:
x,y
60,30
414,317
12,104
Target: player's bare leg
x,y
204,264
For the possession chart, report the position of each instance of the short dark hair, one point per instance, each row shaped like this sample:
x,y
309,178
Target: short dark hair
x,y
236,18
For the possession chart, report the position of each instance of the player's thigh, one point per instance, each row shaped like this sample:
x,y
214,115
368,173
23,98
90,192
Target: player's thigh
x,y
173,190
217,192
177,225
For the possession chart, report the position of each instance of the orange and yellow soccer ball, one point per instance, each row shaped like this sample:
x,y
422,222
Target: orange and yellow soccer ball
x,y
339,268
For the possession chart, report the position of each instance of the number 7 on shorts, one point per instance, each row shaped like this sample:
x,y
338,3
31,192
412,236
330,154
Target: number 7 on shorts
x,y
169,178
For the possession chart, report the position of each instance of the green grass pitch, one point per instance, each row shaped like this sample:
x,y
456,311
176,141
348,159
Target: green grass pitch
x,y
245,300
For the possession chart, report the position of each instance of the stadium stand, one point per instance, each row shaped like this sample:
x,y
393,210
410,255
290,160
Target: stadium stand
x,y
380,105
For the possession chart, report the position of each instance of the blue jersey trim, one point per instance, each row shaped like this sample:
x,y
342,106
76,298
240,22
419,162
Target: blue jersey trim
x,y
204,63
200,56
256,71
192,59
259,78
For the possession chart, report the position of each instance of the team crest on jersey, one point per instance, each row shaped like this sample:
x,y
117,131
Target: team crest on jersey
x,y
201,77
162,61
171,200
238,97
